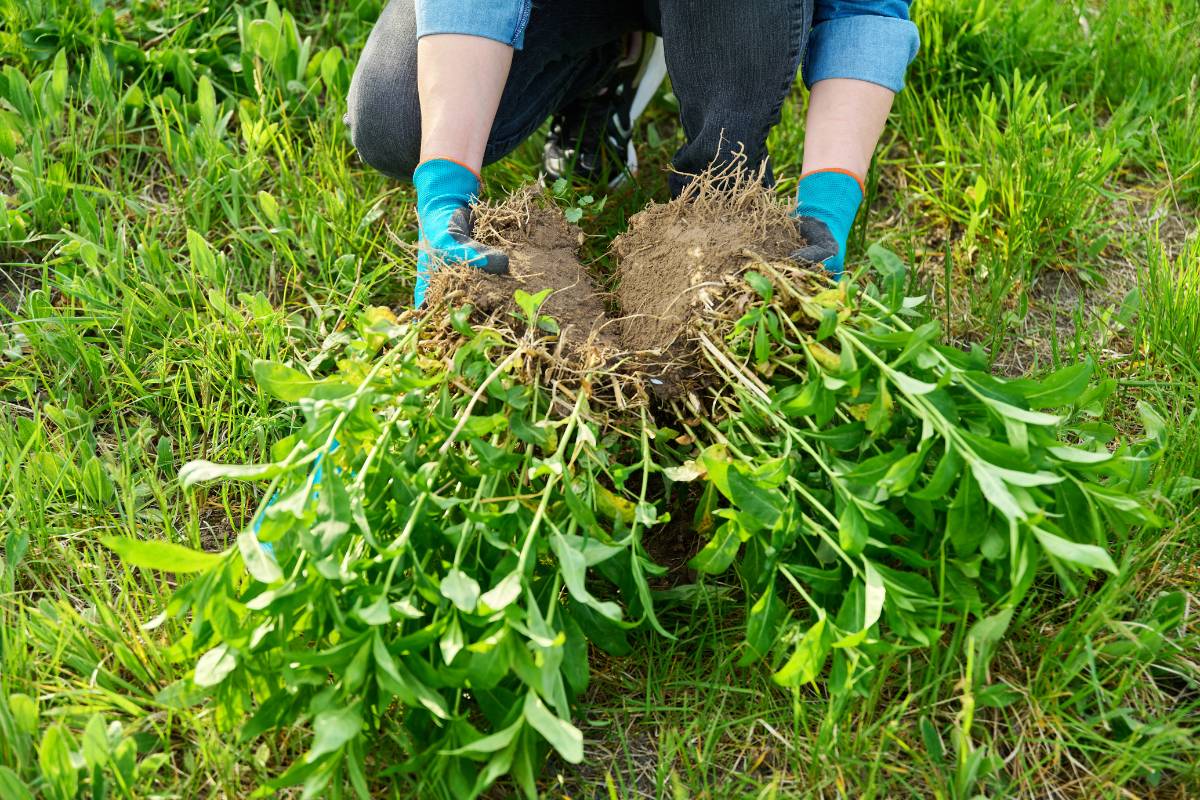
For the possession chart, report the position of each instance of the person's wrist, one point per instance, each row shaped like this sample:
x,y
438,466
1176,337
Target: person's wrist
x,y
442,182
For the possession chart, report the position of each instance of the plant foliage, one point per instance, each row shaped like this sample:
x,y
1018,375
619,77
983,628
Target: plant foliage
x,y
444,542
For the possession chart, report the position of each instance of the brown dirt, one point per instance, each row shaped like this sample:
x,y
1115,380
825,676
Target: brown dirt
x,y
543,254
676,257
543,251
680,268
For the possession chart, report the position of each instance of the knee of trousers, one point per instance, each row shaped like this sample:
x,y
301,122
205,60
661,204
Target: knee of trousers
x,y
384,118
726,130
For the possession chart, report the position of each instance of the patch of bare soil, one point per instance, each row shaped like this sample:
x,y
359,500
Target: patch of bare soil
x,y
676,259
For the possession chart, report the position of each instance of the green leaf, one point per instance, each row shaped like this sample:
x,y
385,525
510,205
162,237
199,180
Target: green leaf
x,y
918,341
24,712
759,283
562,735
96,484
829,323
718,553
806,401
488,744
503,593
259,563
206,103
204,262
452,641
530,303
808,658
852,529
1061,388
687,471
573,566
1028,479
762,625
334,515
893,272
910,385
59,76
54,758
378,612
901,474
996,491
11,787
1081,555
461,589
579,510
715,460
604,633
162,556
1076,455
215,665
283,382
332,729
199,471
394,677
95,743
1021,414
943,476
873,596
763,507
989,630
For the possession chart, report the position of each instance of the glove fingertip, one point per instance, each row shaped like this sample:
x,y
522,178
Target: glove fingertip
x,y
495,262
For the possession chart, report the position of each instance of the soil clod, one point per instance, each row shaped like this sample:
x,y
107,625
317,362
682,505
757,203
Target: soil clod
x,y
680,267
542,248
678,259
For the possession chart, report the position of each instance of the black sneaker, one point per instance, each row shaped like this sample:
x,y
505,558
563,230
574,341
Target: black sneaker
x,y
591,138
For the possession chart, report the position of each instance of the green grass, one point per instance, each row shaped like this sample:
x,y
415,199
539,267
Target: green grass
x,y
180,198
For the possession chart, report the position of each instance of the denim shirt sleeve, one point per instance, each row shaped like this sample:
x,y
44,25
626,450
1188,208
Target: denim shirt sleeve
x,y
870,40
501,20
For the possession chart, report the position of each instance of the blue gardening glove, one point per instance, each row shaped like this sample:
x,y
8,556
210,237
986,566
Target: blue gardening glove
x,y
445,192
826,204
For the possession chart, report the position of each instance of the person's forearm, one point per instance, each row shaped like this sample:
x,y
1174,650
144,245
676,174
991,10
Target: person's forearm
x,y
845,120
459,80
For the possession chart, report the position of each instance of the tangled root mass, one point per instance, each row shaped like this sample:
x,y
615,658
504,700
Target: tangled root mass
x,y
678,264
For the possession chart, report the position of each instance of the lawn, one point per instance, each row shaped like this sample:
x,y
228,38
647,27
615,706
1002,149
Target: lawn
x,y
183,215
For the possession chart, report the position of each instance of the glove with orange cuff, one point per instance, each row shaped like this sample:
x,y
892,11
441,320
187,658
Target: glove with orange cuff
x,y
445,192
826,203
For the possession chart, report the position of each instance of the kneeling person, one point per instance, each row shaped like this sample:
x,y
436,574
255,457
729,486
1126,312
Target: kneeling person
x,y
444,88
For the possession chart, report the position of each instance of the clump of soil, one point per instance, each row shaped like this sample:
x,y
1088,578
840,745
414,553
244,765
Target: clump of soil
x,y
542,250
678,260
679,276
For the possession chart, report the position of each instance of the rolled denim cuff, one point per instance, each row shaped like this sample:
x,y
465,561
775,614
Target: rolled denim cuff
x,y
866,48
503,21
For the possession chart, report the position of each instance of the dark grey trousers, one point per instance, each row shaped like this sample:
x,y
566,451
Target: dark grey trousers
x,y
731,66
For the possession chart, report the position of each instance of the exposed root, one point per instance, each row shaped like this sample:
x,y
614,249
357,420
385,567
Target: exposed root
x,y
681,267
681,287
580,348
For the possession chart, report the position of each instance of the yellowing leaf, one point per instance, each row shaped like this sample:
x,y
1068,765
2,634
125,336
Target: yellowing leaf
x,y
825,357
614,506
